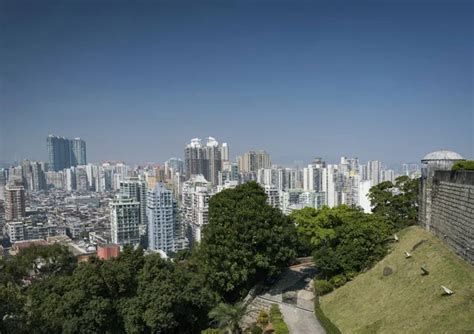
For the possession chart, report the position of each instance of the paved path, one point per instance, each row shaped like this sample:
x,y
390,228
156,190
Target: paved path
x,y
300,321
293,293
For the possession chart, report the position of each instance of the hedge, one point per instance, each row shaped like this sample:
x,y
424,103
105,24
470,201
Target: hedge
x,y
276,319
327,324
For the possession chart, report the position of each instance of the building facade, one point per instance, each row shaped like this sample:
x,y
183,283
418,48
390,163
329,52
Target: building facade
x,y
14,202
125,221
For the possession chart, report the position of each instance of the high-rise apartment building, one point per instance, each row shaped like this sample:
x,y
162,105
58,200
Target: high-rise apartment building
x,y
14,202
32,175
59,153
225,152
373,172
314,177
162,218
125,221
137,189
78,152
195,200
174,165
203,160
64,153
194,158
213,160
349,169
273,196
252,161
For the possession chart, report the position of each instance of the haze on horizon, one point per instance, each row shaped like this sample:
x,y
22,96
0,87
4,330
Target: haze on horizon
x,y
387,80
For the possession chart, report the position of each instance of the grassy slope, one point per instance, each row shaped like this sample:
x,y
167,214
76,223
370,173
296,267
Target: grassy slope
x,y
406,302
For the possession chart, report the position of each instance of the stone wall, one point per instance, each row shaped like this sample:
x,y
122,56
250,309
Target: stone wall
x,y
452,211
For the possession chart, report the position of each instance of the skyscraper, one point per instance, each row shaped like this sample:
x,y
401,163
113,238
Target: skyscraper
x,y
124,221
64,153
194,158
78,152
373,172
59,153
136,189
213,161
14,202
263,159
203,160
225,152
162,216
252,161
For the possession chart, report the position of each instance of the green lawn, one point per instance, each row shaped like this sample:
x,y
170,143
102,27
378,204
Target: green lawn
x,y
405,301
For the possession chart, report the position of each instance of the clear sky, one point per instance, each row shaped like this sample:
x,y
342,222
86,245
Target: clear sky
x,y
386,80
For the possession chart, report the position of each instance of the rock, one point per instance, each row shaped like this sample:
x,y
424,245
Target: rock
x,y
387,271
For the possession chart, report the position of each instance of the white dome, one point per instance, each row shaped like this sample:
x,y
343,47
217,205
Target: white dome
x,y
443,155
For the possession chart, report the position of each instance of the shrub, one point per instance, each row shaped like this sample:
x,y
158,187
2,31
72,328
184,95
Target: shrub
x,y
322,287
211,331
338,281
276,318
255,329
262,318
327,324
464,165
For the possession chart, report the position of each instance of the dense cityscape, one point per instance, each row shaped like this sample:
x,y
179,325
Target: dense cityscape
x,y
162,207
236,167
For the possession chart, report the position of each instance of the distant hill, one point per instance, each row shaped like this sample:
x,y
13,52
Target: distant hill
x,y
405,301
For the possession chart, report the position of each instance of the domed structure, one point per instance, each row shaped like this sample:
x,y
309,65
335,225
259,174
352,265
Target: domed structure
x,y
442,155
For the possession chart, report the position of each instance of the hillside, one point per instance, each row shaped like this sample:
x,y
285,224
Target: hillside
x,y
406,301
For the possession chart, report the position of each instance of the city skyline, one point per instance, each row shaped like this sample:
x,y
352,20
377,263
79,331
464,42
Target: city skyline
x,y
233,158
299,80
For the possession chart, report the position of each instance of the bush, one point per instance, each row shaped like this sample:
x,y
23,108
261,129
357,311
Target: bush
x,y
322,287
255,330
262,318
211,331
464,165
276,318
338,281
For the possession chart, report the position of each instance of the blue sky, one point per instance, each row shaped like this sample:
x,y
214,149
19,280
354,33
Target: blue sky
x,y
386,80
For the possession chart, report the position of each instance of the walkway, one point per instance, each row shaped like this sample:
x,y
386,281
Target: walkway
x,y
293,293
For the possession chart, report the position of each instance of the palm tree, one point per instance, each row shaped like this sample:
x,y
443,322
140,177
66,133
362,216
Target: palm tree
x,y
227,317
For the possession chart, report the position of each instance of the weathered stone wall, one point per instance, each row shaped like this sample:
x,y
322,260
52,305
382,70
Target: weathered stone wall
x,y
452,211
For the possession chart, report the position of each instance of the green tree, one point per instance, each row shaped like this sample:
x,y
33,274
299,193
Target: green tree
x,y
170,298
12,314
344,239
227,317
396,202
37,262
245,241
79,303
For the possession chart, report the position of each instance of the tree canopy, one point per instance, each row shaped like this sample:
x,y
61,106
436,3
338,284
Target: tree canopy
x,y
396,202
246,241
344,239
44,290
